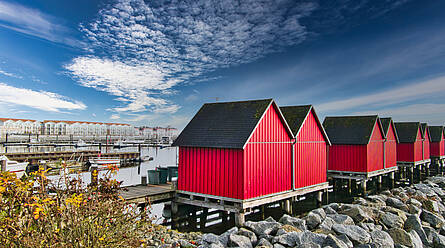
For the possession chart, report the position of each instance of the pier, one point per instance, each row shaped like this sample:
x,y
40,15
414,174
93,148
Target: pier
x,y
152,194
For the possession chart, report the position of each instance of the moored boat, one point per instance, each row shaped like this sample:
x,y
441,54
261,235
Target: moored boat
x,y
13,166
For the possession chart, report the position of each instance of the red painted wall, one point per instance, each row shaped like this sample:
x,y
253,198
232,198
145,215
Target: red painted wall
x,y
267,158
438,148
375,159
410,152
213,171
426,145
347,158
391,148
310,153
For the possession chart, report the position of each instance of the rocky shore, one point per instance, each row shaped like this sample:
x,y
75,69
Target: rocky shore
x,y
402,217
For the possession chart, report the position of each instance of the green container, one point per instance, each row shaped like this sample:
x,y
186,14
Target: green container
x,y
153,176
163,175
172,172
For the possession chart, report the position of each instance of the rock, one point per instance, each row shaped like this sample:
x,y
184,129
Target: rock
x,y
400,236
287,228
312,220
329,210
414,210
417,242
414,202
381,239
413,223
296,222
263,227
342,219
239,241
334,242
278,246
391,220
247,233
264,243
327,224
396,203
224,238
425,189
320,212
355,233
430,234
215,245
308,245
345,240
439,241
432,219
334,206
431,205
270,219
287,239
210,238
370,227
356,213
310,237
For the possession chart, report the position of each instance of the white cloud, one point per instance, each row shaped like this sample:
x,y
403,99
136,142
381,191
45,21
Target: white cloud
x,y
43,100
421,90
114,117
9,74
33,22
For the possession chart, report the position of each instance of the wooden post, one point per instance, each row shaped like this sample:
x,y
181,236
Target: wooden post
x,y
287,206
239,219
3,167
427,169
174,214
350,186
263,211
203,218
379,182
391,180
363,186
319,198
411,175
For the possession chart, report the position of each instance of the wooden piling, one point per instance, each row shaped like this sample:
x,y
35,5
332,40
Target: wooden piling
x,y
203,218
363,187
319,198
239,219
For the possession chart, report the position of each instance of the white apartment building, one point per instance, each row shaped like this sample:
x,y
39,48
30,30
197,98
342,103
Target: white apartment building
x,y
19,126
86,128
158,132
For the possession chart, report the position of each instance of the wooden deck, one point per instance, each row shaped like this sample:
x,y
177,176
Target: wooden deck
x,y
142,194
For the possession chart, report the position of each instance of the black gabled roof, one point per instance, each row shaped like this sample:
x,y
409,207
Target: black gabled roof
x,y
423,128
296,115
225,125
350,130
436,133
385,125
407,131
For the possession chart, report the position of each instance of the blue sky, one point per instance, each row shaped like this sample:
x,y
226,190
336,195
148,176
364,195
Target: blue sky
x,y
156,62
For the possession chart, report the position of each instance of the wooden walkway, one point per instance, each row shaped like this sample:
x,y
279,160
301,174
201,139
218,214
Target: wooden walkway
x,y
142,194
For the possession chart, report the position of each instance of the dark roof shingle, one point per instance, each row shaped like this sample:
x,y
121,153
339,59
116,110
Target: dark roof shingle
x,y
407,131
223,125
350,130
436,133
295,116
385,125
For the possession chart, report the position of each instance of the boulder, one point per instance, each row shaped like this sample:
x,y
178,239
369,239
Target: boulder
x,y
327,224
264,243
381,239
239,241
309,245
355,233
342,219
310,237
396,203
345,240
400,236
224,238
277,245
391,220
296,222
263,227
413,223
312,220
329,210
370,227
247,233
439,241
417,242
287,239
320,212
334,242
270,219
356,213
430,233
414,202
432,219
210,238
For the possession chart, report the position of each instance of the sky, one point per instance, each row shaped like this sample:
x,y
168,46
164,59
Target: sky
x,y
154,63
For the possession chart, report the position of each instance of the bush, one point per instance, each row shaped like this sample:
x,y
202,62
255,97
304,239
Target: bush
x,y
35,212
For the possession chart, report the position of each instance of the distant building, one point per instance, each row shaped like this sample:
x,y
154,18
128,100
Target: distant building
x,y
19,126
86,128
158,133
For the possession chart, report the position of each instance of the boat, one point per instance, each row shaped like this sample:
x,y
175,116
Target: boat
x,y
81,143
104,162
13,166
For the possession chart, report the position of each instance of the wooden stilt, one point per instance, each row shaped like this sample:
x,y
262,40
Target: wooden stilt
x,y
175,219
363,186
288,206
239,219
411,175
319,198
203,218
263,211
391,180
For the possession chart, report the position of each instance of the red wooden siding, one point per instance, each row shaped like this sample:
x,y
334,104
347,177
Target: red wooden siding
x,y
310,154
375,150
268,158
410,152
438,148
347,158
390,148
213,171
426,145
